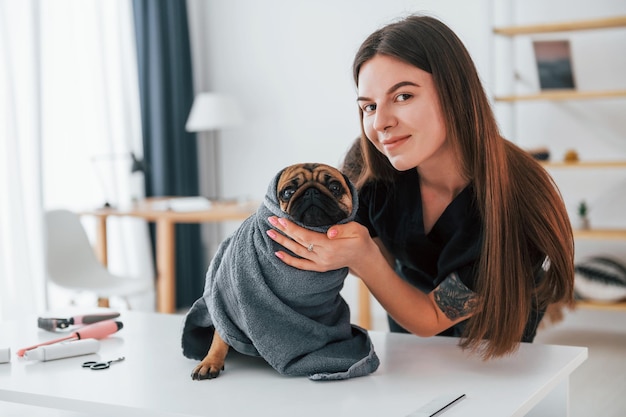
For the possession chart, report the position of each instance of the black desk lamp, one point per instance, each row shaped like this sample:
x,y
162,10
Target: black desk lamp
x,y
137,165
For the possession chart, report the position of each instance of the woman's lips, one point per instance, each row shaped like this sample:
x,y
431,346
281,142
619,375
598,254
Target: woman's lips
x,y
394,142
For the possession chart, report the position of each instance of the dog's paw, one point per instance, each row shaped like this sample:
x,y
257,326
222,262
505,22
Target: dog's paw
x,y
206,371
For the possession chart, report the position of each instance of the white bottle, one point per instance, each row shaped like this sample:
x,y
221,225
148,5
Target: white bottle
x,y
63,350
5,355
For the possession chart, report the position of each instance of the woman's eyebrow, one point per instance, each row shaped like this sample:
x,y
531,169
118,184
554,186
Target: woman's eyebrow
x,y
392,89
400,85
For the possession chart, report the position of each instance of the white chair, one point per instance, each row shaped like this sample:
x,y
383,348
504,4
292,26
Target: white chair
x,y
71,262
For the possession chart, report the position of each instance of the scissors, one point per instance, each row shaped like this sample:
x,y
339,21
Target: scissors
x,y
97,366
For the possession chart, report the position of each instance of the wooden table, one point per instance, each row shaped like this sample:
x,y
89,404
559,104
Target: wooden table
x,y
152,210
154,379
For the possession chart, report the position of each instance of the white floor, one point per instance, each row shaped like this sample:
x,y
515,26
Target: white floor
x,y
596,388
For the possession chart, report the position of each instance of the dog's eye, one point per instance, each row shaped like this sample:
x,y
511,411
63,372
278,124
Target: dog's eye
x,y
287,193
335,188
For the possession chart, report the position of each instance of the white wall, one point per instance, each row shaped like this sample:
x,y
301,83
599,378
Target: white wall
x,y
596,129
289,64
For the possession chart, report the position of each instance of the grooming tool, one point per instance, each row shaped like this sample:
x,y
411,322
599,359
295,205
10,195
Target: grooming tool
x,y
98,366
63,350
53,323
5,355
98,330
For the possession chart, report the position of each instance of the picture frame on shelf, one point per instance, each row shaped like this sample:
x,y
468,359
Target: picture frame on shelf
x,y
554,64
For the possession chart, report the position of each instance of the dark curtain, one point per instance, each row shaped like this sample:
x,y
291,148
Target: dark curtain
x,y
165,79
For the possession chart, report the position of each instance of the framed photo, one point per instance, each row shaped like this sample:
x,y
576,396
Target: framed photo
x,y
554,64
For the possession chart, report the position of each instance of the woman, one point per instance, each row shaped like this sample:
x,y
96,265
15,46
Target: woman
x,y
459,231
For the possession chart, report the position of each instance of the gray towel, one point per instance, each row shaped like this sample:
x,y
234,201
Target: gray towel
x,y
296,320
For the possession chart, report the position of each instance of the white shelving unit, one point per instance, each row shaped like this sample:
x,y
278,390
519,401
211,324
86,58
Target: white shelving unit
x,y
618,22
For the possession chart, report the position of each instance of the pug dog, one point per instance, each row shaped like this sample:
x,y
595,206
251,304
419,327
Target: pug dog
x,y
259,306
314,194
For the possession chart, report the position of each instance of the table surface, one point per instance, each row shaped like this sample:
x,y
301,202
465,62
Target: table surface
x,y
147,209
154,380
154,209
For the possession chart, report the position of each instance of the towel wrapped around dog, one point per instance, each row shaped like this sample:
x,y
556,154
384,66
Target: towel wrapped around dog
x,y
296,320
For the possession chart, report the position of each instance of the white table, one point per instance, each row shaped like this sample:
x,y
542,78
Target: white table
x,y
154,380
166,221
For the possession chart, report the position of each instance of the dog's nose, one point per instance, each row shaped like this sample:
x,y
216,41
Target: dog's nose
x,y
311,192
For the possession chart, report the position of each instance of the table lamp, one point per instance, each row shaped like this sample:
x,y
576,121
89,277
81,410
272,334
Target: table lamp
x,y
212,112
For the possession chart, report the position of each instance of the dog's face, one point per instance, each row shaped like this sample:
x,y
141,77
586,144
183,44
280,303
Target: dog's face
x,y
314,194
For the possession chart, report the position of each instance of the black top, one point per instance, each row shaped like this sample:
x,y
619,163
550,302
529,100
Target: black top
x,y
393,213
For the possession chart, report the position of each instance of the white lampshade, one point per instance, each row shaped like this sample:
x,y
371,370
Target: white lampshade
x,y
211,111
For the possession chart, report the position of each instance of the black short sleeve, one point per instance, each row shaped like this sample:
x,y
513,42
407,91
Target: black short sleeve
x,y
393,213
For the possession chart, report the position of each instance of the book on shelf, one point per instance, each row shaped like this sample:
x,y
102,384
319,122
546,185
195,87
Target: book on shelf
x,y
554,64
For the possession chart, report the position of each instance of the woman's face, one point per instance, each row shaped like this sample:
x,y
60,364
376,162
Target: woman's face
x,y
401,113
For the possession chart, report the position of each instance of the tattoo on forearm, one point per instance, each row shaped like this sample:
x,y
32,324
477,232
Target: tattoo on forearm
x,y
454,298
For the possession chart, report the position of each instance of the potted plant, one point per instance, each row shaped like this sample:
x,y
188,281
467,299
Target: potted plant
x,y
583,218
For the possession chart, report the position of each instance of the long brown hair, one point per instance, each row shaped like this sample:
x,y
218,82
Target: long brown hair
x,y
524,218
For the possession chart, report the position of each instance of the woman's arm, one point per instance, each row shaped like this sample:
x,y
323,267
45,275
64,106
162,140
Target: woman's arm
x,y
422,314
350,245
391,260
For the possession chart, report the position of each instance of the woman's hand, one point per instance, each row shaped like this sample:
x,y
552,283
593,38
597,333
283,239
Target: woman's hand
x,y
345,245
